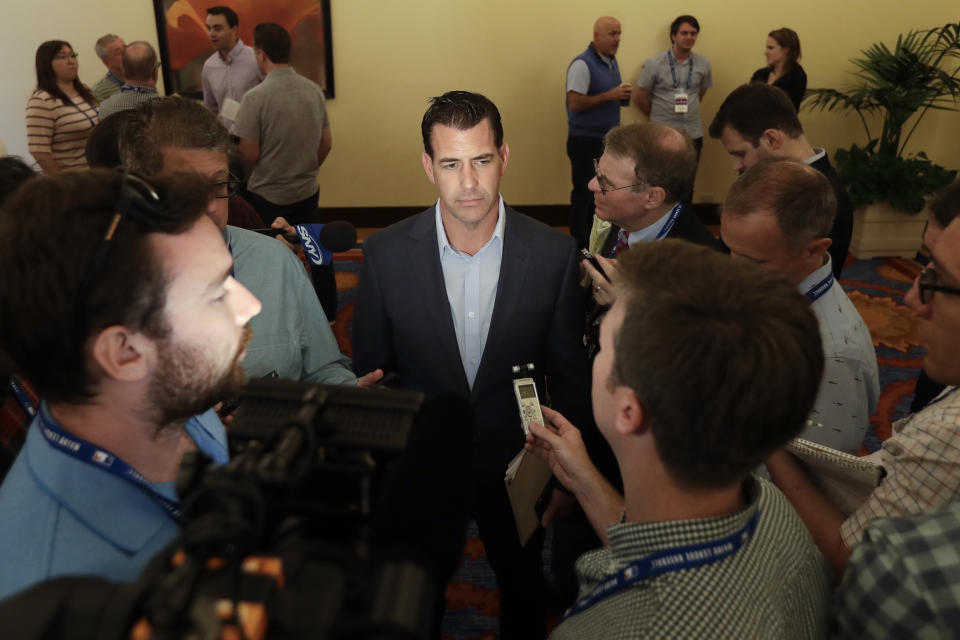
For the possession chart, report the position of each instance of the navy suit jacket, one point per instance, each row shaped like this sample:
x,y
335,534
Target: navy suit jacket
x,y
402,324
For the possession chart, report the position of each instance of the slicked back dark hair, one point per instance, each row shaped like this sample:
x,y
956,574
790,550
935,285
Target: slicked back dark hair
x,y
47,77
739,339
461,110
679,20
274,41
799,197
45,320
946,206
752,108
226,12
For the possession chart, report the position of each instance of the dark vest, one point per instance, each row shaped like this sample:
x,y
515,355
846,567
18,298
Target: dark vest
x,y
594,123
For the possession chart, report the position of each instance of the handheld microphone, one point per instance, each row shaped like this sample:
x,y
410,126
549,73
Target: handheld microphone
x,y
320,241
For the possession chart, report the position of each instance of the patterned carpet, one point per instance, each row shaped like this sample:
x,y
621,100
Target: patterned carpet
x,y
875,286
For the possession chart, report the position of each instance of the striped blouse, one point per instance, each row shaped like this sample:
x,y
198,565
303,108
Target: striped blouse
x,y
60,129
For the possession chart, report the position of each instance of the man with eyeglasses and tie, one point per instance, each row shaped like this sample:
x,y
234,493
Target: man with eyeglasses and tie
x,y
130,331
292,336
640,181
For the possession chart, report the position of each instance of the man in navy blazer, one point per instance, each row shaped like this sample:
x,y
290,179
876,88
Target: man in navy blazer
x,y
452,298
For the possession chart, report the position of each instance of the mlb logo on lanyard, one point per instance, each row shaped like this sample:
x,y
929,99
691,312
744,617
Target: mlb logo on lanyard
x,y
102,457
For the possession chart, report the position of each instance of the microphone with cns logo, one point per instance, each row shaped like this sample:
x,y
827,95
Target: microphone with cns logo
x,y
320,241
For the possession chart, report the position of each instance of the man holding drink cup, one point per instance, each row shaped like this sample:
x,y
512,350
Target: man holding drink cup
x,y
595,94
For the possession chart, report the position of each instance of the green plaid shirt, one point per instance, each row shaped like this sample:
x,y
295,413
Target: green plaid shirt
x,y
776,586
904,579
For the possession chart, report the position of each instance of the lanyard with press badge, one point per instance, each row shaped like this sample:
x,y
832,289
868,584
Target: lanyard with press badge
x,y
95,456
818,290
667,561
681,97
673,70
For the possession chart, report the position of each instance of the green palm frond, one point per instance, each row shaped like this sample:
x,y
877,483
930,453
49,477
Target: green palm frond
x,y
899,84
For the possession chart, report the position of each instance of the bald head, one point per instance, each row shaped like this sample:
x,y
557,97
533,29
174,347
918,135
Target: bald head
x,y
606,35
140,63
662,156
670,139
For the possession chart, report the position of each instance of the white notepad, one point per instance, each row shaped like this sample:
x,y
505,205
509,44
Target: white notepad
x,y
845,479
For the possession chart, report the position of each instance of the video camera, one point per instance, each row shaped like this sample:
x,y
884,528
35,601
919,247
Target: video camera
x,y
341,514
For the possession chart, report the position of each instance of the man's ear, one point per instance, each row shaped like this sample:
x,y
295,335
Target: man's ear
x,y
654,197
122,354
504,156
428,167
818,246
630,415
772,139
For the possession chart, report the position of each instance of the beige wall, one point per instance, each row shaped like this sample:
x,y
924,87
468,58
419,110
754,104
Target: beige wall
x,y
390,55
24,24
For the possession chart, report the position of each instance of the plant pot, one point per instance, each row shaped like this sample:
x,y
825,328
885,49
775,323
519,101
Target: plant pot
x,y
879,230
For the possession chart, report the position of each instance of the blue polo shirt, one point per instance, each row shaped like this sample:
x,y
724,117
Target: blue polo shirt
x,y
62,516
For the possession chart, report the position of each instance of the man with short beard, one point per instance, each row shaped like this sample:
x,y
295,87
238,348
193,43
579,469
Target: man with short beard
x,y
130,329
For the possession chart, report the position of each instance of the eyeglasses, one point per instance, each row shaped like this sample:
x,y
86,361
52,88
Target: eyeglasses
x,y
64,56
929,282
605,185
137,198
226,188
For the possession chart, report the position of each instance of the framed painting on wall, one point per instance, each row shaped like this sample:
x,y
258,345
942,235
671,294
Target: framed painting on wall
x,y
184,45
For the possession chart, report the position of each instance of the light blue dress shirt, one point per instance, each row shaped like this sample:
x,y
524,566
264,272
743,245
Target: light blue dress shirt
x,y
471,283
63,516
291,334
650,232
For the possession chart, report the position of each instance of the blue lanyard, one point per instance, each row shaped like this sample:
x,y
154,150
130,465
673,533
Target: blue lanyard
x,y
17,387
667,561
673,71
664,230
818,290
82,112
137,89
672,220
104,460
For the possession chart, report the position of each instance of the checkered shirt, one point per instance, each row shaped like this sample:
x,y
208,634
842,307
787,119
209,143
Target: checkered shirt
x,y
775,586
904,579
922,464
125,100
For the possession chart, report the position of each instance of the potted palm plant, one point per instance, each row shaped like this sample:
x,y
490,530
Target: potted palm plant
x,y
899,86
